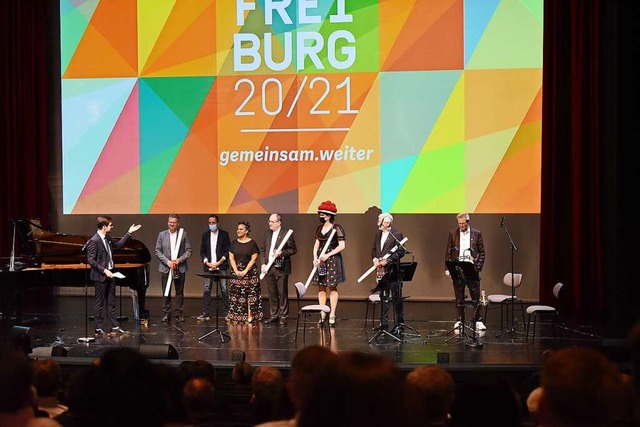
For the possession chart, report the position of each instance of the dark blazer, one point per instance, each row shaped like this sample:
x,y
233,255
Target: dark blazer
x,y
476,245
97,255
379,251
288,250
222,248
163,251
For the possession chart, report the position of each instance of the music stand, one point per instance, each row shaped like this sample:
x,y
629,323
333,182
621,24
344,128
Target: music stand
x,y
406,272
216,278
460,272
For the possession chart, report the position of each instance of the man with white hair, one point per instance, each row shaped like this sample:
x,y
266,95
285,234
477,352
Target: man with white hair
x,y
465,244
387,264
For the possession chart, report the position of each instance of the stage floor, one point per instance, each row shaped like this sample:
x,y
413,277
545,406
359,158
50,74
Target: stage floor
x,y
427,340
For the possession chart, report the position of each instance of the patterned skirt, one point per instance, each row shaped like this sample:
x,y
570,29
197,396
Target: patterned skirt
x,y
334,272
245,299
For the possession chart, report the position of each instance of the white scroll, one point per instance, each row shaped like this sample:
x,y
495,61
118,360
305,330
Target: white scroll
x,y
387,255
315,267
278,249
174,255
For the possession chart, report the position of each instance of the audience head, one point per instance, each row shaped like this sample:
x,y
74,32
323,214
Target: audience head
x,y
429,394
304,368
198,398
580,388
242,373
132,388
533,404
482,390
359,388
47,377
17,394
266,382
196,369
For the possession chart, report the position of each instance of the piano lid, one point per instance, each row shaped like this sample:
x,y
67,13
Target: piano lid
x,y
41,246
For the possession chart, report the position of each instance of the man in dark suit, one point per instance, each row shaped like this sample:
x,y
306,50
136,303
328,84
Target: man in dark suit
x,y
214,253
465,244
172,250
277,276
386,263
100,258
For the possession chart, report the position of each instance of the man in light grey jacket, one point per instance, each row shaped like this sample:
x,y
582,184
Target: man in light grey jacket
x,y
173,249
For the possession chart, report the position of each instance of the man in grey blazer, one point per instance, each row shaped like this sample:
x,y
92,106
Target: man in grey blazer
x,y
172,250
100,258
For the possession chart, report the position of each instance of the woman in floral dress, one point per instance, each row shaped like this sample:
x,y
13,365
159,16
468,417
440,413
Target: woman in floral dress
x,y
245,301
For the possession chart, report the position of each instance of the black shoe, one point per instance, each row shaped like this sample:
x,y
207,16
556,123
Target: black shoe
x,y
271,321
166,318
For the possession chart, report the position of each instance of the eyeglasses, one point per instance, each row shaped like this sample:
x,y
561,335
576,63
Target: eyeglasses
x,y
273,222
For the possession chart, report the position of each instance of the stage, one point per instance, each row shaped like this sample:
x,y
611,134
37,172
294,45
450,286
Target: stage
x,y
428,338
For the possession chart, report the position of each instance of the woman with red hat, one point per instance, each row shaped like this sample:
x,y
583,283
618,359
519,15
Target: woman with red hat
x,y
330,268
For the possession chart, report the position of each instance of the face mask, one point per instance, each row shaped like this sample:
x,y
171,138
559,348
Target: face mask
x,y
322,219
213,227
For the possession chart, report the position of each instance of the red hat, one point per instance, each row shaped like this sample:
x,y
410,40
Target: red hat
x,y
328,207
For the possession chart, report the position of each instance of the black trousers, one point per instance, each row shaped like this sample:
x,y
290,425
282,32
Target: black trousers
x,y
105,294
474,291
391,293
178,285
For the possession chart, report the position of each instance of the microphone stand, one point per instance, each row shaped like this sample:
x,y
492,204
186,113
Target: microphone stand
x,y
512,246
86,339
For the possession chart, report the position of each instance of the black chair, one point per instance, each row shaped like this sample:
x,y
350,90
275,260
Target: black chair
x,y
309,313
549,311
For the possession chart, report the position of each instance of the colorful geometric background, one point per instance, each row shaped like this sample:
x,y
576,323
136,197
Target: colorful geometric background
x,y
444,95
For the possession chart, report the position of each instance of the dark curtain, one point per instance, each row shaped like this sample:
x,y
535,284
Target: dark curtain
x,y
590,74
25,76
570,222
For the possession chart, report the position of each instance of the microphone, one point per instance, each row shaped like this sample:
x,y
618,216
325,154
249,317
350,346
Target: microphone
x,y
84,247
502,223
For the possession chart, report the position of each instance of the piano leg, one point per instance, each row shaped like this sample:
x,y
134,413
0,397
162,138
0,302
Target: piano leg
x,y
136,309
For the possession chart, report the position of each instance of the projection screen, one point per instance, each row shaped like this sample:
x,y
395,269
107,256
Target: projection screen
x,y
255,106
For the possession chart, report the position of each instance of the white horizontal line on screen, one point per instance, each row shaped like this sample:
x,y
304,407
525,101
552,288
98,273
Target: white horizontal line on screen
x,y
294,130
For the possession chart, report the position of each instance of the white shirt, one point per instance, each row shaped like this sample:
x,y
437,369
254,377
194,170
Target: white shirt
x,y
383,238
465,246
272,249
172,238
213,241
106,246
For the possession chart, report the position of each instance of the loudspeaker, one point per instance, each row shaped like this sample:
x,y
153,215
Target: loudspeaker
x,y
21,339
54,351
159,351
238,356
16,330
442,357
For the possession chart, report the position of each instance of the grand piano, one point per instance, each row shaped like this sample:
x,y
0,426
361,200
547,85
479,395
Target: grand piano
x,y
44,258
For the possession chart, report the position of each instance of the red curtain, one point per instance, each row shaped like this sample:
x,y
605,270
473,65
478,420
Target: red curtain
x,y
25,77
570,223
